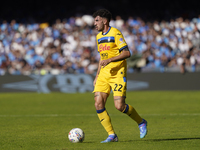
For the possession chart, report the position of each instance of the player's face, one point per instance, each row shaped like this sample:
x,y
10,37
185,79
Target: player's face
x,y
98,23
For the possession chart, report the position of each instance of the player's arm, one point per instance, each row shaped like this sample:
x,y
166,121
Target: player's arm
x,y
123,55
98,70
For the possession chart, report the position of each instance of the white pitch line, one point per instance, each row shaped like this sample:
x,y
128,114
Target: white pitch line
x,y
91,115
49,115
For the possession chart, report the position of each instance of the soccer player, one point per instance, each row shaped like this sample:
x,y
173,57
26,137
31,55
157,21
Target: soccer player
x,y
111,74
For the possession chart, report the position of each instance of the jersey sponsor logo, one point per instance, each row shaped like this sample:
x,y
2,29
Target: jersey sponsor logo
x,y
109,39
103,47
104,55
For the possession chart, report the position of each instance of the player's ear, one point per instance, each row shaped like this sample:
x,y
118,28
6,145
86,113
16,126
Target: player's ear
x,y
105,21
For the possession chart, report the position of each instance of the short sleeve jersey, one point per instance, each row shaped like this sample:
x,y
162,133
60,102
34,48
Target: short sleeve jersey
x,y
111,44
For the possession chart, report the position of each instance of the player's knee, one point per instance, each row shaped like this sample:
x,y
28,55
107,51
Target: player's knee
x,y
120,107
100,100
98,104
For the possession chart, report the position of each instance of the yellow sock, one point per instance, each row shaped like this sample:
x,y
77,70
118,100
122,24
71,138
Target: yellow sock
x,y
105,120
131,112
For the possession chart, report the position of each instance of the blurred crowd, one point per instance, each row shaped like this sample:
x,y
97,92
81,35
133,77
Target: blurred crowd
x,y
69,45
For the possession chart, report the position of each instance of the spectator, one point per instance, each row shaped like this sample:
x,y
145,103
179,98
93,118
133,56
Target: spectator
x,y
69,45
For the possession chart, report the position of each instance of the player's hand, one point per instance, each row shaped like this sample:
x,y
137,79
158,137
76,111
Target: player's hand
x,y
94,82
103,63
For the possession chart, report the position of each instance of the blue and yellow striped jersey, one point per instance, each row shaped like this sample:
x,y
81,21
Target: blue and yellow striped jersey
x,y
110,45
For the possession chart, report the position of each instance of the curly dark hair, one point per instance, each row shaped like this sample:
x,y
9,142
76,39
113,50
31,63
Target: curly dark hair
x,y
104,13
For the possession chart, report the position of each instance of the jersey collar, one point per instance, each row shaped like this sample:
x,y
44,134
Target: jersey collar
x,y
106,32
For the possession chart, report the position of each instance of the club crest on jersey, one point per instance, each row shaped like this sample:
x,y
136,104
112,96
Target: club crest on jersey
x,y
103,47
121,40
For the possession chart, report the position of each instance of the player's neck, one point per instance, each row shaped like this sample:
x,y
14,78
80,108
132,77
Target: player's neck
x,y
106,28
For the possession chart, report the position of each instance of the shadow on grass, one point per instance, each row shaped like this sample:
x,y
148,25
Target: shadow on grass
x,y
152,140
174,139
170,139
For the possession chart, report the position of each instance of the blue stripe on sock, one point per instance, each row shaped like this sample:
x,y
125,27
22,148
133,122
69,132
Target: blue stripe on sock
x,y
126,110
142,122
101,110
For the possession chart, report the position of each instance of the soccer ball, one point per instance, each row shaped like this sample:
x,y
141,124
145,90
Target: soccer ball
x,y
76,135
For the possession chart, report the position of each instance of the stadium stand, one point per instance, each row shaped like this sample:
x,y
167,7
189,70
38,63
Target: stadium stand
x,y
165,38
69,45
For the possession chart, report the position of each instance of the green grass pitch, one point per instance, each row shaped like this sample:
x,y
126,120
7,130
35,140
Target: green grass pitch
x,y
33,121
